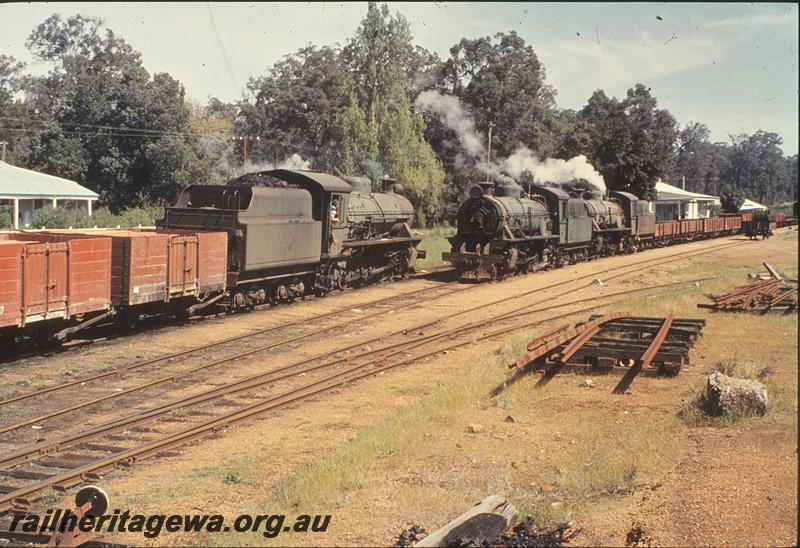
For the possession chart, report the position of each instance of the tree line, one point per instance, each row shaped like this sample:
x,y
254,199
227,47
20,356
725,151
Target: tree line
x,y
100,118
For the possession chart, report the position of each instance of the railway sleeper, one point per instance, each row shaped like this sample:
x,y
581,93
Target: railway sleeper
x,y
630,357
669,343
23,474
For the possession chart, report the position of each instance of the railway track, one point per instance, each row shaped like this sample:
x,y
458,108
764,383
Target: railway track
x,y
95,443
194,352
87,441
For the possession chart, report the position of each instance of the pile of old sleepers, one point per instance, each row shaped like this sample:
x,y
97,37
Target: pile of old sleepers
x,y
762,296
615,343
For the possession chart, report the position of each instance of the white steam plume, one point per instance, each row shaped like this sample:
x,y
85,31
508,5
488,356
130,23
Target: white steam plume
x,y
550,170
455,117
295,161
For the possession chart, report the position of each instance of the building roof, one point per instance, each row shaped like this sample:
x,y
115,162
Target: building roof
x,y
17,182
668,193
750,204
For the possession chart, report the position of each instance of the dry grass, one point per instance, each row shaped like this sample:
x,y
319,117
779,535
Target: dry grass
x,y
590,457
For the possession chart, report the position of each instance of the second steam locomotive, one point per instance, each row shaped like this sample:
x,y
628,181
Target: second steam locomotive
x,y
505,230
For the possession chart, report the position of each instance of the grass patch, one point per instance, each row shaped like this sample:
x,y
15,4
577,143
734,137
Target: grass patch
x,y
231,478
178,412
434,242
49,495
606,459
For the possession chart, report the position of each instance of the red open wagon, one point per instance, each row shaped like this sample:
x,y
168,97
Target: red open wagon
x,y
53,277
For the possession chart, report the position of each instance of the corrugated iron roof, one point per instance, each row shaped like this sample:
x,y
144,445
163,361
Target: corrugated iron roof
x,y
17,182
750,204
668,193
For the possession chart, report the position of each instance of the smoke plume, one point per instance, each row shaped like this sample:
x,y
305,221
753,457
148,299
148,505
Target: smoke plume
x,y
295,161
522,161
550,170
455,117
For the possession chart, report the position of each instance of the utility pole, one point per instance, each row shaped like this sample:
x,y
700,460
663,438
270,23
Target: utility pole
x,y
244,139
489,148
3,144
245,155
683,182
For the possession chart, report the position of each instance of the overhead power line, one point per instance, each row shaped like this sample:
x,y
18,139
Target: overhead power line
x,y
222,47
311,151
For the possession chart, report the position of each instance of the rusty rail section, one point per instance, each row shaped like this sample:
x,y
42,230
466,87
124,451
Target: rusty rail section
x,y
553,339
647,357
762,297
618,343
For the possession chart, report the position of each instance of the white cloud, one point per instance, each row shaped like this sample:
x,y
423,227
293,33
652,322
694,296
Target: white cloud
x,y
756,22
578,67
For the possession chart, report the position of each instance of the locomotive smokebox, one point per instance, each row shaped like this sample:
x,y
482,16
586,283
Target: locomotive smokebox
x,y
484,188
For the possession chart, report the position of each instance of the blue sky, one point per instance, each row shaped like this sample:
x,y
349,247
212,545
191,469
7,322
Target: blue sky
x,y
730,66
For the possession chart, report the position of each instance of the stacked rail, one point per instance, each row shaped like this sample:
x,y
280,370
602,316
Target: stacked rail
x,y
615,343
761,297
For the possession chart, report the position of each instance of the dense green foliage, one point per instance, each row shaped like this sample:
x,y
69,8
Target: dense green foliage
x,y
99,117
49,217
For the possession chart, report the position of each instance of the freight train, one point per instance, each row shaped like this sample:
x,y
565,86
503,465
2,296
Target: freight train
x,y
268,237
504,229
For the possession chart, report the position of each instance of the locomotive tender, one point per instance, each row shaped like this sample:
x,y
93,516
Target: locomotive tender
x,y
503,230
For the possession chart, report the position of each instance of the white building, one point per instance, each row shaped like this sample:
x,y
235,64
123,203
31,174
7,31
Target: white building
x,y
25,191
750,205
676,203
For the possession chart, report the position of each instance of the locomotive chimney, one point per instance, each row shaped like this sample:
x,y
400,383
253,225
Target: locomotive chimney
x,y
487,187
387,184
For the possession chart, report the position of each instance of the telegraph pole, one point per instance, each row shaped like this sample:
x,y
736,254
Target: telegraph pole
x,y
4,144
489,147
244,139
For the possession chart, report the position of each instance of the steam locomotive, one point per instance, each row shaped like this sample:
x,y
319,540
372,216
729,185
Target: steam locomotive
x,y
294,232
504,229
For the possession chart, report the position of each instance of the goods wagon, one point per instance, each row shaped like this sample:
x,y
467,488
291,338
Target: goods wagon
x,y
158,266
52,277
714,224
